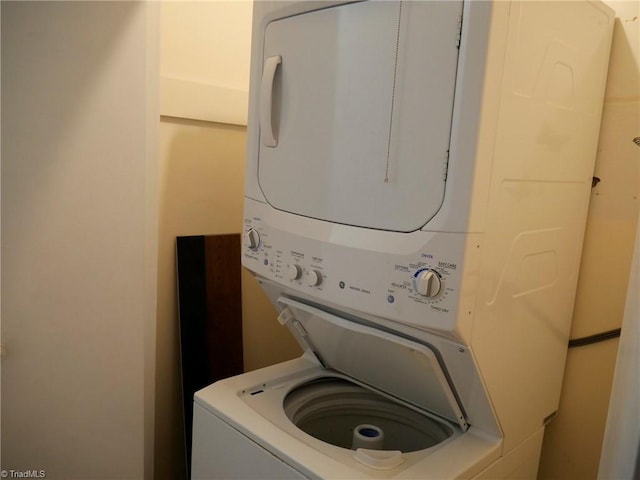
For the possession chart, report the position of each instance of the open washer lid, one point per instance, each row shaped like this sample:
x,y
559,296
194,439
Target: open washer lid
x,y
398,366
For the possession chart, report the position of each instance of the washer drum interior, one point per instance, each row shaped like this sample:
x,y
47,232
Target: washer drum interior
x,y
347,415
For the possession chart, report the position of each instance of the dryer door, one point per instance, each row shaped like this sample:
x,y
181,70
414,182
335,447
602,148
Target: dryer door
x,y
355,112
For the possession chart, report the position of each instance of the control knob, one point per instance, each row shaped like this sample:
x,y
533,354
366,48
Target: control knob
x,y
313,278
253,239
427,283
293,271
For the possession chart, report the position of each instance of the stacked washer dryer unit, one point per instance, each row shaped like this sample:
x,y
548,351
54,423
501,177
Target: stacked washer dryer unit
x,y
417,183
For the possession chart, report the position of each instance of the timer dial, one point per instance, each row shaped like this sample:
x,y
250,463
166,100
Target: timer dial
x,y
253,239
427,283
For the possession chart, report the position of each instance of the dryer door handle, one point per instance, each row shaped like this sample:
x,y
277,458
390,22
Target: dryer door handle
x,y
266,101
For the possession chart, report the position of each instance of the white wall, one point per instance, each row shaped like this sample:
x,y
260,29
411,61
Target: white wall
x,y
78,230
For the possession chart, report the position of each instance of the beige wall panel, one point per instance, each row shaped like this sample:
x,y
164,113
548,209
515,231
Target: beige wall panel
x,y
201,171
611,225
201,177
624,76
571,448
207,42
205,51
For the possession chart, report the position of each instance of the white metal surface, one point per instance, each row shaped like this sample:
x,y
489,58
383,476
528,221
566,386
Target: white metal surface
x,y
369,271
502,247
396,365
547,129
251,404
220,451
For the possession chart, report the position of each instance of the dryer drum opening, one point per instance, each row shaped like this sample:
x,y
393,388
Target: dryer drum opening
x,y
335,411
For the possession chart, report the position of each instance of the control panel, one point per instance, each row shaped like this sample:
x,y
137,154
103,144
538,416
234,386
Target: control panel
x,y
419,288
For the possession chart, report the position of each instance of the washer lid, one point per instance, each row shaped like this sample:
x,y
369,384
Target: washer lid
x,y
395,365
